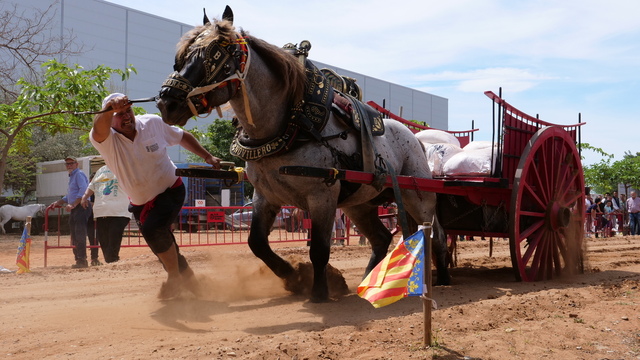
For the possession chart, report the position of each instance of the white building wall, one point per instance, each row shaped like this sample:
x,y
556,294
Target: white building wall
x,y
117,36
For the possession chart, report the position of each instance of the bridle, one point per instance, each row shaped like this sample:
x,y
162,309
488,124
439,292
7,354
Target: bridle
x,y
219,57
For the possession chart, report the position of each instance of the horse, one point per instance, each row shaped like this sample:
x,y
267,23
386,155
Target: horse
x,y
278,103
18,213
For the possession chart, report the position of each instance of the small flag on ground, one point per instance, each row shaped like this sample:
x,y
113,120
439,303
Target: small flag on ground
x,y
24,249
398,275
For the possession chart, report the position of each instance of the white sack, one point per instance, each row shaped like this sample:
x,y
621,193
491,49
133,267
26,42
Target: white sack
x,y
475,145
470,162
438,155
433,136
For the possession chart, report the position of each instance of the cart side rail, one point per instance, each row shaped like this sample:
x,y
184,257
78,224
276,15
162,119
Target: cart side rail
x,y
517,129
464,136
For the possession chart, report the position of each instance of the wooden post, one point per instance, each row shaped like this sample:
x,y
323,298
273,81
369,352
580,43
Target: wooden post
x,y
426,298
490,246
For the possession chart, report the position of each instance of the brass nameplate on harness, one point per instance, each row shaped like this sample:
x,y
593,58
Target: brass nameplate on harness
x,y
248,153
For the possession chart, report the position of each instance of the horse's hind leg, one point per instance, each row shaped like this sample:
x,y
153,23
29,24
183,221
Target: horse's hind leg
x,y
366,219
423,208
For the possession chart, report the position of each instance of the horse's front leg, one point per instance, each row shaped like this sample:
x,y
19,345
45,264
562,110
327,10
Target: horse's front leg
x,y
263,217
322,220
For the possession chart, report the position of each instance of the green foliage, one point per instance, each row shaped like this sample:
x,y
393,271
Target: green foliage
x,y
45,105
600,177
20,177
605,176
217,140
587,146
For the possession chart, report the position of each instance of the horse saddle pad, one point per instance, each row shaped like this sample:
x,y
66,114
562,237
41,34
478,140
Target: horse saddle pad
x,y
344,84
353,112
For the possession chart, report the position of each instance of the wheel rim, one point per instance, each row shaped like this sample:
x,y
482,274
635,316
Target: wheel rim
x,y
547,216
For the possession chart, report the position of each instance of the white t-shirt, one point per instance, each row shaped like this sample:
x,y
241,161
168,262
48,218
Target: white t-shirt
x,y
110,200
142,166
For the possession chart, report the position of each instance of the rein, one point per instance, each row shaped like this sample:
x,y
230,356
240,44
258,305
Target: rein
x,y
149,99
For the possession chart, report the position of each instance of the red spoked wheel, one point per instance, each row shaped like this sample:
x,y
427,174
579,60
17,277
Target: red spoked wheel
x,y
547,208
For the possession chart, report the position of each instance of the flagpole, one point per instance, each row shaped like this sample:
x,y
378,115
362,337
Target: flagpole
x,y
426,297
24,249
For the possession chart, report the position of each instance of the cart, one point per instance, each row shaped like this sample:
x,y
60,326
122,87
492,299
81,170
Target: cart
x,y
534,195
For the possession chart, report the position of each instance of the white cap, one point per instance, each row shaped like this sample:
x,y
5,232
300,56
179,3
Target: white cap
x,y
109,97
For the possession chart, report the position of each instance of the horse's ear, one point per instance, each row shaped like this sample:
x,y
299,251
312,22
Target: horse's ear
x,y
205,19
227,14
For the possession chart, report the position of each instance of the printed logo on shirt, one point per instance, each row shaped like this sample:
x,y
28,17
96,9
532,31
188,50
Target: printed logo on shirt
x,y
108,188
152,148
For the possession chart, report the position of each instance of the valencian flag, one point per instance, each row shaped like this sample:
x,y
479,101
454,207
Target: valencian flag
x,y
398,275
24,249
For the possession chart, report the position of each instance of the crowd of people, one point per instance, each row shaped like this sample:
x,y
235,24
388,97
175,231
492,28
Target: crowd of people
x,y
612,213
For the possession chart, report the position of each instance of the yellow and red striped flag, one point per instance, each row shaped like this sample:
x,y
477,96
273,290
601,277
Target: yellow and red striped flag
x,y
398,275
24,249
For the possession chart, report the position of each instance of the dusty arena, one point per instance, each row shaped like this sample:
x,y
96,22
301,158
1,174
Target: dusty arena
x,y
111,311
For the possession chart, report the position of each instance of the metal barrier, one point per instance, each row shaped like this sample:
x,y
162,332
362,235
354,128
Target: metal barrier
x,y
205,226
605,225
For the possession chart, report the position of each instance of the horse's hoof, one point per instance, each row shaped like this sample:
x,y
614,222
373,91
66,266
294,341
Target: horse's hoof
x,y
170,289
319,299
192,283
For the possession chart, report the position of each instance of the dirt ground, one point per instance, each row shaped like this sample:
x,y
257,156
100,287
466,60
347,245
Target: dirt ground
x,y
111,311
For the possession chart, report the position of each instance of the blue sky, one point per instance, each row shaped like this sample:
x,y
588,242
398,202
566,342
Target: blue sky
x,y
552,58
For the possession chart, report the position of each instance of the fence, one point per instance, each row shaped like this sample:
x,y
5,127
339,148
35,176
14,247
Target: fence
x,y
213,225
606,225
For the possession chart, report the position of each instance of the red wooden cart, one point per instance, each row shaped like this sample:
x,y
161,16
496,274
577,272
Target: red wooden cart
x,y
534,195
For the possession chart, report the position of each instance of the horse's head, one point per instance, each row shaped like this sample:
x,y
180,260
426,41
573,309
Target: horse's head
x,y
210,63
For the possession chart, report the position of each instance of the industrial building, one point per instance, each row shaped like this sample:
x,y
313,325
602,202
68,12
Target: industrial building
x,y
117,36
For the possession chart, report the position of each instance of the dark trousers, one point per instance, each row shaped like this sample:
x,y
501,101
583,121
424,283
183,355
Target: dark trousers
x,y
156,218
78,227
91,234
634,223
109,230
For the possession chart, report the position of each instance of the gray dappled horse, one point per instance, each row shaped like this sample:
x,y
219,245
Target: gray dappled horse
x,y
284,118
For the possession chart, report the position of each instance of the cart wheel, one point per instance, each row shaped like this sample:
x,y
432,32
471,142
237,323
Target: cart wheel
x,y
547,216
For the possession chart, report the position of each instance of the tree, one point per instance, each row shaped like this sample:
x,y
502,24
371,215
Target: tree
x,y
601,177
26,42
627,171
217,140
64,89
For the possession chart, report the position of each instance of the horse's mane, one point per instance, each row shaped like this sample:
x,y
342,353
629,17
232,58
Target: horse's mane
x,y
286,66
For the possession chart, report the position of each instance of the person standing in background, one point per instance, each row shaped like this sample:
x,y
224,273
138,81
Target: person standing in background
x,y
110,210
633,206
78,215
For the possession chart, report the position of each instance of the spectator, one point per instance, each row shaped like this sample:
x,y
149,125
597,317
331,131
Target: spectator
x,y
338,228
135,149
609,216
633,207
617,205
78,215
596,213
110,210
625,215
